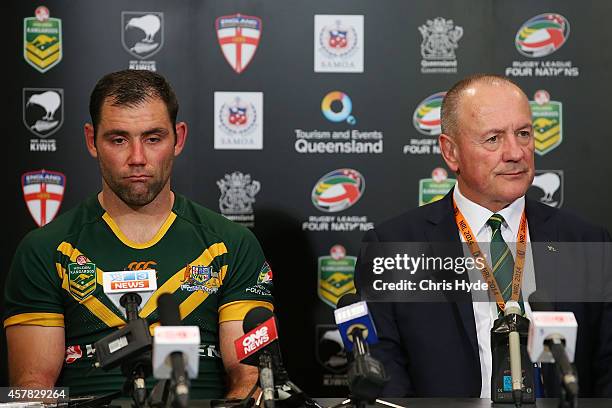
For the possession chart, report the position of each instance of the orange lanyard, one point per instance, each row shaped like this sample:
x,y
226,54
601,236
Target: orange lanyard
x,y
487,273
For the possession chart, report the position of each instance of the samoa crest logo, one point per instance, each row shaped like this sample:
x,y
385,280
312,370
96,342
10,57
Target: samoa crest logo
x,y
542,35
338,190
426,118
238,37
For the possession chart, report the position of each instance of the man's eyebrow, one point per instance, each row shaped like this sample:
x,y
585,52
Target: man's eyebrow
x,y
155,131
526,125
115,132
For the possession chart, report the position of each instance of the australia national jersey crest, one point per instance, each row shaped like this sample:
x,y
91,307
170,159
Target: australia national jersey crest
x,y
200,277
42,40
43,191
81,277
238,37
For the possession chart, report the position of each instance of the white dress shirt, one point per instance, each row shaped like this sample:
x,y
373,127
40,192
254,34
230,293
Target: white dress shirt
x,y
485,310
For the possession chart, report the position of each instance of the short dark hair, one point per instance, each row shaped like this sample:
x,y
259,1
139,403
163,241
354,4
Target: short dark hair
x,y
131,88
452,99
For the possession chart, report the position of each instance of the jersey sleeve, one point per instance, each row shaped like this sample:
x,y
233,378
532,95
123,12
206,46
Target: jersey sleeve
x,y
248,280
33,286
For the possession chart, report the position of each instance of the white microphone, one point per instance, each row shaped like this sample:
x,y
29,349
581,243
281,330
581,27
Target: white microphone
x,y
514,344
552,339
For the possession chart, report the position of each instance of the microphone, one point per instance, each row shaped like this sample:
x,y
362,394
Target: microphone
x,y
514,345
552,339
259,347
129,346
366,375
175,350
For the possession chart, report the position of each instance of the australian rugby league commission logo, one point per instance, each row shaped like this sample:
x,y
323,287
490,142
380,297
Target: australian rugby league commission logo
x,y
540,37
426,120
338,190
42,40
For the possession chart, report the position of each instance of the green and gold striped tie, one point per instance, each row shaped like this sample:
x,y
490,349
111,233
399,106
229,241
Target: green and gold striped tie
x,y
502,262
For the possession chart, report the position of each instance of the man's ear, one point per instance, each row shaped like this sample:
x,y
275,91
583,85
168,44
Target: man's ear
x,y
448,147
181,137
90,141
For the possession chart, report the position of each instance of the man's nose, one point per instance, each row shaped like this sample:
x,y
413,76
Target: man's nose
x,y
512,149
137,154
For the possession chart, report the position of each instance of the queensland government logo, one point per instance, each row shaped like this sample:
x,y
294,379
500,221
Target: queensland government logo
x,y
238,192
238,37
336,273
547,122
42,40
547,187
539,37
338,43
43,191
337,107
200,277
434,188
81,277
440,40
239,120
142,36
426,120
337,191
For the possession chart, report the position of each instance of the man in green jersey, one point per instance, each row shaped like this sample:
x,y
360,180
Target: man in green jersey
x,y
55,302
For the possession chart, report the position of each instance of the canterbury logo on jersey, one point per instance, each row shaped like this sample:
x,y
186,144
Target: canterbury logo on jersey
x,y
141,266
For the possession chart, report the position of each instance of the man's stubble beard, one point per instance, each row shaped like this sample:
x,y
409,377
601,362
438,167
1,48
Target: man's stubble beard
x,y
130,194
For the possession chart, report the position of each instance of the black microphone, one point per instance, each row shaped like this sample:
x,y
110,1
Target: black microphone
x,y
169,315
366,375
555,341
261,348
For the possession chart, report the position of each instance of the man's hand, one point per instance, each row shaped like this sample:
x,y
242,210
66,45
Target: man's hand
x,y
35,355
241,377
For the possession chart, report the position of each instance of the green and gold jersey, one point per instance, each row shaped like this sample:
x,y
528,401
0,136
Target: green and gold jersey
x,y
214,267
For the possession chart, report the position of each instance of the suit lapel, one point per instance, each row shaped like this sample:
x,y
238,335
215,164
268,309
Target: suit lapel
x,y
444,230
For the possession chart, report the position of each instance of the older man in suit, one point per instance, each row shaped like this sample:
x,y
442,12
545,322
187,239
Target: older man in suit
x,y
443,349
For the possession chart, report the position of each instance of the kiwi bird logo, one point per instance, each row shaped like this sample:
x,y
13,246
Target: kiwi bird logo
x,y
137,24
42,110
550,183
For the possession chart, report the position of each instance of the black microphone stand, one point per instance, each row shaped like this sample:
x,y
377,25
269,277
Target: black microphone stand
x,y
138,368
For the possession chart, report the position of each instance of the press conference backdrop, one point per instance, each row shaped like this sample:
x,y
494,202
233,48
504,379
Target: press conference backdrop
x,y
309,121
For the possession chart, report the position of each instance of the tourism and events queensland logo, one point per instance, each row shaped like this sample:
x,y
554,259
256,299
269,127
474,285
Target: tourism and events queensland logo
x,y
426,120
337,107
239,120
238,37
142,36
338,43
547,118
542,35
42,40
338,190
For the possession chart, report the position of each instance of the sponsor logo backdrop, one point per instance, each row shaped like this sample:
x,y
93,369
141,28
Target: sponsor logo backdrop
x,y
310,122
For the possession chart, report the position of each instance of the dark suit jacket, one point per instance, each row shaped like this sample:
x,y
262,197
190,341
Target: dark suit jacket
x,y
431,350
